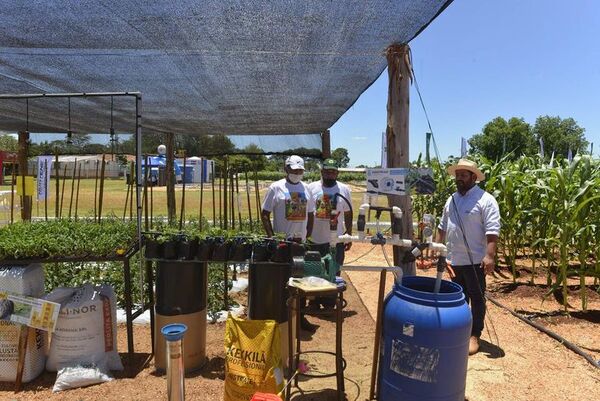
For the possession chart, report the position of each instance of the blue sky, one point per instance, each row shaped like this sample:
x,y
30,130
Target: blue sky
x,y
483,59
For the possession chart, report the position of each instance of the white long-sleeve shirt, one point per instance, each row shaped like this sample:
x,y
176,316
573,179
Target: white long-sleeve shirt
x,y
480,216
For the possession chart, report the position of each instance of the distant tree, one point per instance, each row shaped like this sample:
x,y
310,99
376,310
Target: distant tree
x,y
500,137
149,144
559,135
8,143
341,156
79,141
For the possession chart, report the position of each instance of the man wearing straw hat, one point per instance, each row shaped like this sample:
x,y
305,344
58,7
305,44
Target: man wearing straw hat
x,y
470,226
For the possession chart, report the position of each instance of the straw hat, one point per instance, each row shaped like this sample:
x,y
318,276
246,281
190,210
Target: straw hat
x,y
464,164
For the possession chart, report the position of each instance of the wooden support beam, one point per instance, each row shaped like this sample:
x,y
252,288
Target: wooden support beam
x,y
399,74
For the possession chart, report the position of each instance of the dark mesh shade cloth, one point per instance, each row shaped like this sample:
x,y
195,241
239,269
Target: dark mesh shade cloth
x,y
203,67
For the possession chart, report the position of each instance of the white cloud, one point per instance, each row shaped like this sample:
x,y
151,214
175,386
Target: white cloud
x,y
359,138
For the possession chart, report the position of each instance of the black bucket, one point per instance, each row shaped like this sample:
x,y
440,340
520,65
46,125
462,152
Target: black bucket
x,y
267,291
181,287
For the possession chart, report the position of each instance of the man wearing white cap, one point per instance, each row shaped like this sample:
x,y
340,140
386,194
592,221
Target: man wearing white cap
x,y
293,210
289,201
470,226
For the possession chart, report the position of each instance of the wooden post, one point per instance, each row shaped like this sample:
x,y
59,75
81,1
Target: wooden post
x,y
249,204
22,157
72,187
62,191
326,144
182,215
201,194
170,174
76,193
399,74
225,215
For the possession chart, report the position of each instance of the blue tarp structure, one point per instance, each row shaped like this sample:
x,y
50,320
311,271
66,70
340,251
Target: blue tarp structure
x,y
155,163
203,67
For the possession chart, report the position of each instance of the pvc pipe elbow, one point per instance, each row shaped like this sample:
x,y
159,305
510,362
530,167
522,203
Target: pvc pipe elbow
x,y
363,208
397,212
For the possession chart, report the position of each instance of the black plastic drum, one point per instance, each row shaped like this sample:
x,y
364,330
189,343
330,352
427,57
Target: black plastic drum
x,y
181,287
267,291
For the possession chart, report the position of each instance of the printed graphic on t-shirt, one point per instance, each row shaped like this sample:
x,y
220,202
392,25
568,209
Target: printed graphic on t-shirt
x,y
324,205
295,206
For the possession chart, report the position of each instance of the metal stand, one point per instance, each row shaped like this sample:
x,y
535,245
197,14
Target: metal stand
x,y
294,303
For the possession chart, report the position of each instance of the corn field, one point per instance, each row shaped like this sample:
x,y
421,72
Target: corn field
x,y
550,213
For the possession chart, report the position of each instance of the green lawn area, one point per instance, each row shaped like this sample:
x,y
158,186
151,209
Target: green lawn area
x,y
115,195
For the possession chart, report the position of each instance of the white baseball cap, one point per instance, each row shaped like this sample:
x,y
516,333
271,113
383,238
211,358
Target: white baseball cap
x,y
295,162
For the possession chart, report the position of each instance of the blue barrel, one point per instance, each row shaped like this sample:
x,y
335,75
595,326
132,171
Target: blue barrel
x,y
425,342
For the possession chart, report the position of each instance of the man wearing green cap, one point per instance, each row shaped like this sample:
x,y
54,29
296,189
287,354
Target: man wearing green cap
x,y
330,195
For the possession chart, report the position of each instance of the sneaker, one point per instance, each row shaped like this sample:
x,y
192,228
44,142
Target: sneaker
x,y
473,345
306,325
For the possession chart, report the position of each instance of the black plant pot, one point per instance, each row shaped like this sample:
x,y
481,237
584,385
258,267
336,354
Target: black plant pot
x,y
205,250
170,249
261,252
221,250
183,249
240,252
153,249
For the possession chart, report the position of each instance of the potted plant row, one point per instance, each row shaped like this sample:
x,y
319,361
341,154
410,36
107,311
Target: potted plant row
x,y
216,245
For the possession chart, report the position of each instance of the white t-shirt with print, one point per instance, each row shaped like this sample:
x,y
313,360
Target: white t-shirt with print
x,y
289,205
325,201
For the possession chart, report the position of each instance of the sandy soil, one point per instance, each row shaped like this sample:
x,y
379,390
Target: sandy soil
x,y
516,361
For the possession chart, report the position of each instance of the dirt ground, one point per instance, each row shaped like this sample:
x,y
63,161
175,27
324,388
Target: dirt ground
x,y
516,361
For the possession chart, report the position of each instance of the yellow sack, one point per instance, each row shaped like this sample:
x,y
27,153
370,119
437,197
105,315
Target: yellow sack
x,y
252,358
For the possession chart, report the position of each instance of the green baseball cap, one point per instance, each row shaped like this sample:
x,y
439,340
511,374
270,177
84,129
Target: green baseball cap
x,y
330,164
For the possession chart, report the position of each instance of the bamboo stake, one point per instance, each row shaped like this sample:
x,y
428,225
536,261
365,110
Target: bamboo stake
x,y
77,193
237,194
248,197
46,189
231,200
225,216
62,191
214,177
146,174
182,195
56,173
101,194
257,193
12,194
201,194
72,188
152,203
220,200
96,191
133,182
127,198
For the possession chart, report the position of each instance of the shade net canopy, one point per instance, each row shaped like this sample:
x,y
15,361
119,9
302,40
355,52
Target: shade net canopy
x,y
203,67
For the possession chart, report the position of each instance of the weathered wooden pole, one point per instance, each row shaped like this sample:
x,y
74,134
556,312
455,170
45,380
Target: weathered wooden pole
x,y
326,144
399,77
26,202
62,191
170,174
399,73
96,191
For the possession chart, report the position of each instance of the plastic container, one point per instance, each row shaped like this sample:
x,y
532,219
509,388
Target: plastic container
x,y
425,342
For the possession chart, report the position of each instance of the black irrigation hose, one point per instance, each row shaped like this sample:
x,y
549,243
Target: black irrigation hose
x,y
544,330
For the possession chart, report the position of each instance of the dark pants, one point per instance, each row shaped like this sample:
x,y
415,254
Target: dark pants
x,y
472,280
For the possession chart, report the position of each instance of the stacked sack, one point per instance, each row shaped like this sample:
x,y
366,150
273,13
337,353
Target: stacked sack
x,y
84,344
29,281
